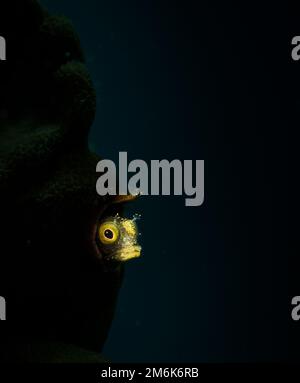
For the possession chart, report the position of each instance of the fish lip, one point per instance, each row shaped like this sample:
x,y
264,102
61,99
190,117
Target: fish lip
x,y
130,252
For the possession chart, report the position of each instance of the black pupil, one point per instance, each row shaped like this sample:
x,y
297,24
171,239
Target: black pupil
x,y
108,234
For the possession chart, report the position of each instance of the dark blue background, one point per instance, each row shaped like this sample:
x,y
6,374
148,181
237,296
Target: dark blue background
x,y
177,80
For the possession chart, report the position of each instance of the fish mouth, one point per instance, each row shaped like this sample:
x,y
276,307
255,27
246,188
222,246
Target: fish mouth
x,y
127,253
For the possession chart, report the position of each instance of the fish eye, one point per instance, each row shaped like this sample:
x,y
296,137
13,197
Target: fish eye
x,y
108,233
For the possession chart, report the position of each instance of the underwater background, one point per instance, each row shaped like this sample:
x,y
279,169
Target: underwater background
x,y
193,80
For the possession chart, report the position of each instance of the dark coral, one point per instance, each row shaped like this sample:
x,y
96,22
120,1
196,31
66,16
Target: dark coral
x,y
56,289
